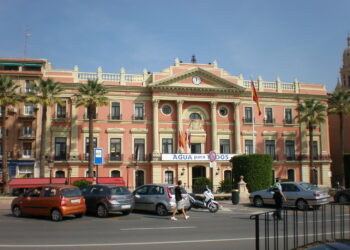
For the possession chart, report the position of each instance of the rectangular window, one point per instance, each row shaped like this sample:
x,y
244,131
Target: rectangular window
x,y
60,148
27,131
268,115
315,150
28,109
139,110
0,150
61,111
288,116
115,148
0,132
115,112
270,148
0,111
139,147
169,177
91,113
248,114
87,146
29,86
195,148
225,146
248,146
27,150
167,145
290,150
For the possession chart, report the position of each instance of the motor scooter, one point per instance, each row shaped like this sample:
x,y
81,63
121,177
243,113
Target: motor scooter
x,y
208,202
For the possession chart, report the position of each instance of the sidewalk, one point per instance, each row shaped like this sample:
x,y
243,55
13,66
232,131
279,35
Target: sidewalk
x,y
5,202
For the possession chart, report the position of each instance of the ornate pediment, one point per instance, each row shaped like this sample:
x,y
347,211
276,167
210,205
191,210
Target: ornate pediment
x,y
196,79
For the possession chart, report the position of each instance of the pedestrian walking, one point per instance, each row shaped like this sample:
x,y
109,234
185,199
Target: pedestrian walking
x,y
279,197
180,202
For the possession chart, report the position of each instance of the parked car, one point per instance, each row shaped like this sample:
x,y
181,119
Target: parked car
x,y
342,196
158,198
55,201
298,194
106,199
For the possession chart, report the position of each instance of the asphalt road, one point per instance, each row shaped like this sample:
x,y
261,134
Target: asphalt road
x,y
227,229
230,228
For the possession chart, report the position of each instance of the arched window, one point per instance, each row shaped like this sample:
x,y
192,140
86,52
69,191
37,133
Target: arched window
x,y
195,116
228,175
59,174
115,173
291,175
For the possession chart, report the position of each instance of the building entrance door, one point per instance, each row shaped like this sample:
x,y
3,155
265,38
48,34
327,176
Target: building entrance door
x,y
139,178
197,173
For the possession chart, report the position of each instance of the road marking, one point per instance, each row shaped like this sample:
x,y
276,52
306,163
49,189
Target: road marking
x,y
154,228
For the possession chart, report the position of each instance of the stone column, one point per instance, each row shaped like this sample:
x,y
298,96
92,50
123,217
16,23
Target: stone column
x,y
155,129
237,128
74,154
214,127
179,122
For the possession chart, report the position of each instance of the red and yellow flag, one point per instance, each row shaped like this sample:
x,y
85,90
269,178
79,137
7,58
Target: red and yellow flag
x,y
255,97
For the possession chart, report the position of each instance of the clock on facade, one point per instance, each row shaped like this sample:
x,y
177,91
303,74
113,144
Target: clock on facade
x,y
196,80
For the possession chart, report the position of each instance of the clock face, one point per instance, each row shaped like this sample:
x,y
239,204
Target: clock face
x,y
196,80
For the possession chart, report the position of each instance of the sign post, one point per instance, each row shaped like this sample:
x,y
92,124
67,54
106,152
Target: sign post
x,y
212,164
98,159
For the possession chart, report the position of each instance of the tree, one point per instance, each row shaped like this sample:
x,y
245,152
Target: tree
x,y
46,93
312,113
8,97
91,95
339,104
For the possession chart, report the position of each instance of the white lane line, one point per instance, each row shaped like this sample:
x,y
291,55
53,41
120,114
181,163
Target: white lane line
x,y
154,228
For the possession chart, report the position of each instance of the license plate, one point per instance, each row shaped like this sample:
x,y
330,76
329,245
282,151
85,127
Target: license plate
x,y
75,201
126,206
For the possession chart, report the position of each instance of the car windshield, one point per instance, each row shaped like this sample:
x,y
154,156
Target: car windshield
x,y
308,186
70,192
119,191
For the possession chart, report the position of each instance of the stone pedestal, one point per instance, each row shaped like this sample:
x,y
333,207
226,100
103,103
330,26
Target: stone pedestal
x,y
243,191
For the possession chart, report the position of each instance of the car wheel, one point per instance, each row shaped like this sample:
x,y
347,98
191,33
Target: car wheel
x,y
16,211
79,215
343,198
302,205
126,212
161,210
56,215
258,201
102,211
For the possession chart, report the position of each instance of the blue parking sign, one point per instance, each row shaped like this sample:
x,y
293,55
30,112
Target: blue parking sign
x,y
98,156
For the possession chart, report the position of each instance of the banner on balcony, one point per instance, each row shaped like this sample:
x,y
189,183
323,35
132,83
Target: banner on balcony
x,y
195,157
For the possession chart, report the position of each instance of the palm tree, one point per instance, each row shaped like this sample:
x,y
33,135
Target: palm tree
x,y
91,95
311,112
45,94
8,97
339,104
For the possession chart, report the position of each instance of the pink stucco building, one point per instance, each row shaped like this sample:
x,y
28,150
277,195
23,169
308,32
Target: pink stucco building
x,y
139,130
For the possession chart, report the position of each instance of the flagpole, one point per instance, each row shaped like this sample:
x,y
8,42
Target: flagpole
x,y
253,123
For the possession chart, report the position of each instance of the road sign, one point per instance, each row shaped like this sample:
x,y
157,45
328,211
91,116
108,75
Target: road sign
x,y
212,156
212,164
98,156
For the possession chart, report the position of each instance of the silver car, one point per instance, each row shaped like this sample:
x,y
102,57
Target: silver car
x,y
298,194
158,198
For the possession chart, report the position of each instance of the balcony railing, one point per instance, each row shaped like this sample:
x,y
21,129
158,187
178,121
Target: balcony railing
x,y
138,117
115,157
248,120
288,122
94,116
269,121
61,157
115,117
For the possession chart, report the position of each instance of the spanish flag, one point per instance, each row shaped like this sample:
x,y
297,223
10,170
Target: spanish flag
x,y
182,140
255,97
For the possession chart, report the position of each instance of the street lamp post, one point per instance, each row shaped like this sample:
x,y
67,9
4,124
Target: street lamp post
x,y
69,174
51,164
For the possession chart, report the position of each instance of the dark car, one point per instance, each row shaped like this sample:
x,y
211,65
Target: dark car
x,y
105,199
342,196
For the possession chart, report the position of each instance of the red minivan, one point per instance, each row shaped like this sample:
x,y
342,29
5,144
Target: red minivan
x,y
55,201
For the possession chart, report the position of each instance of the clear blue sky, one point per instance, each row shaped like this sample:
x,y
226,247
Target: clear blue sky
x,y
299,38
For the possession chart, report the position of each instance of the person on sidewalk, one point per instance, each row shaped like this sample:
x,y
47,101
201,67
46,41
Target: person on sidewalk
x,y
180,202
279,197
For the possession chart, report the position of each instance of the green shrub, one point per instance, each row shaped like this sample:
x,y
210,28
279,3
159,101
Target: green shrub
x,y
347,170
200,184
81,183
256,169
225,186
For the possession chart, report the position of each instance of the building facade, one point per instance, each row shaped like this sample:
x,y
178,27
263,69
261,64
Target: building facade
x,y
160,127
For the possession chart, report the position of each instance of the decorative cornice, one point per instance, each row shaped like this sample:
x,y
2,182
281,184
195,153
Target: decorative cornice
x,y
86,130
289,133
269,133
139,131
167,131
115,130
60,129
248,132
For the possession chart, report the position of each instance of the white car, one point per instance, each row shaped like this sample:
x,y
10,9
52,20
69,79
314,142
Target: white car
x,y
298,194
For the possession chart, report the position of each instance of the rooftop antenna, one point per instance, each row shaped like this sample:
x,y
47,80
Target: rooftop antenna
x,y
26,36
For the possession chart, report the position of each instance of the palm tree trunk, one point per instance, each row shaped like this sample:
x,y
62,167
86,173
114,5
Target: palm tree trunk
x,y
341,125
42,142
91,140
5,170
311,153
